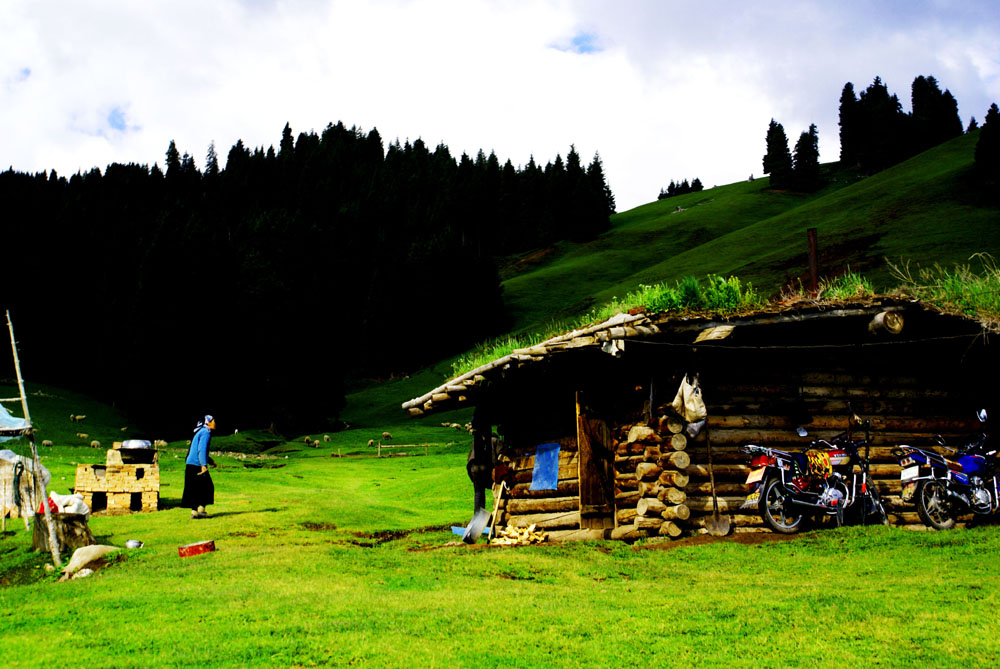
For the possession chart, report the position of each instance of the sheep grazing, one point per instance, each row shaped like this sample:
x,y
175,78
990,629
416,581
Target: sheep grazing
x,y
95,444
326,437
47,443
371,442
159,443
82,435
76,419
386,436
308,440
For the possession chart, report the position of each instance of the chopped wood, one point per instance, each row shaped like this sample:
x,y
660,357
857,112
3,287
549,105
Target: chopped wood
x,y
647,471
519,536
670,424
651,453
649,488
672,477
670,529
678,512
643,434
678,442
671,495
650,506
676,460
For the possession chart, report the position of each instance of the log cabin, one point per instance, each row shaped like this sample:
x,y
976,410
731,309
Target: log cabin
x,y
626,468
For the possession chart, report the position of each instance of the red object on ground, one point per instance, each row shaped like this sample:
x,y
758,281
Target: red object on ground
x,y
196,548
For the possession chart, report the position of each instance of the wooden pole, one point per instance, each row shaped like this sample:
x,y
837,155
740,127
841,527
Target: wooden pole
x,y
813,263
36,463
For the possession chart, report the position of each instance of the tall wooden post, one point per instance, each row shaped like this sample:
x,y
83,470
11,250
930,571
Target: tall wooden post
x,y
36,463
813,263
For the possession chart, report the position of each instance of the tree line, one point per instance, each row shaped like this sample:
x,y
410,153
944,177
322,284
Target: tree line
x,y
253,291
681,188
875,133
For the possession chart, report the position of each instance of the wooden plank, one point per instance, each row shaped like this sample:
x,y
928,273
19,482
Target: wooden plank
x,y
596,470
558,520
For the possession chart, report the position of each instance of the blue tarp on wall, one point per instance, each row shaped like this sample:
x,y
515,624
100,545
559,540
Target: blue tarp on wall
x,y
546,473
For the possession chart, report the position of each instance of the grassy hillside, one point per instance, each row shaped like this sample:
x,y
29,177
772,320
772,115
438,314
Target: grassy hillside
x,y
921,210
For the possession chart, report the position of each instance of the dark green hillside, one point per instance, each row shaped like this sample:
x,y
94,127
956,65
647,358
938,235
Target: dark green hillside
x,y
922,210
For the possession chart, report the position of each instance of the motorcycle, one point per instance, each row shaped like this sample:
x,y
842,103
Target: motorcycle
x,y
944,488
831,478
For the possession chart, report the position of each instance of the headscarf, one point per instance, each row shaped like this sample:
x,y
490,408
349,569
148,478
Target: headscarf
x,y
204,422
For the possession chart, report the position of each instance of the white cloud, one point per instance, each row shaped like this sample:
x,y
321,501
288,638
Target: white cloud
x,y
663,90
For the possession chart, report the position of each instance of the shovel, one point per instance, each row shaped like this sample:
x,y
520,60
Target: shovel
x,y
717,526
476,526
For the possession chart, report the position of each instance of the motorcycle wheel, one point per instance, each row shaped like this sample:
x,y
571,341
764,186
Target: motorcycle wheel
x,y
773,512
876,511
932,505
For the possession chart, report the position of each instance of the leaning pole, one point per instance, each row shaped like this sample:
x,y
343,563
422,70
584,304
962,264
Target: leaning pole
x,y
36,463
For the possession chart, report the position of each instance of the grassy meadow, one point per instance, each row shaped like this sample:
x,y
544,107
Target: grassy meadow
x,y
922,211
350,560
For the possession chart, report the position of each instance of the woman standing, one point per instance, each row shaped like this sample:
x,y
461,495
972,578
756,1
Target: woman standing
x,y
199,491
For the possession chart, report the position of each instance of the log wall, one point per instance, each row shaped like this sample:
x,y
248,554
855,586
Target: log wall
x,y
903,409
555,511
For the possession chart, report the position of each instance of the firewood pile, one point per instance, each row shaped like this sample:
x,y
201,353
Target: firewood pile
x,y
519,536
650,478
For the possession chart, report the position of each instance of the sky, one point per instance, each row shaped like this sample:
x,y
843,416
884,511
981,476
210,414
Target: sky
x,y
662,90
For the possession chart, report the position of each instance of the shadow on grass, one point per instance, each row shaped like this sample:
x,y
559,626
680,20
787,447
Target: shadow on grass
x,y
239,513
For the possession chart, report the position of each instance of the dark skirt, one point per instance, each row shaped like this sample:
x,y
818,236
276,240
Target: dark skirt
x,y
198,488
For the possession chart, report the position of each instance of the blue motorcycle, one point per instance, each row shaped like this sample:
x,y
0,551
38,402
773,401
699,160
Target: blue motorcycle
x,y
943,488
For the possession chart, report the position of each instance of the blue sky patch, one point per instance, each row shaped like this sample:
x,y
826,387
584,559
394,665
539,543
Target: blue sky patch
x,y
116,119
24,73
585,43
580,43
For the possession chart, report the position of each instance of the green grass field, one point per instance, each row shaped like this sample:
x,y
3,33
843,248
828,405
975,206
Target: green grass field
x,y
347,560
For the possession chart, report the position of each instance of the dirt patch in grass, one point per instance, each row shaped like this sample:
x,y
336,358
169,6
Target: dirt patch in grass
x,y
319,527
744,538
263,465
525,262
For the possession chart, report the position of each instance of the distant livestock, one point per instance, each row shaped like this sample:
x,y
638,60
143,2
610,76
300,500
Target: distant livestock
x,y
47,443
76,419
371,442
82,435
326,437
95,444
386,436
159,443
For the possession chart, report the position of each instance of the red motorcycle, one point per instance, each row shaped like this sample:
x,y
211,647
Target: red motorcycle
x,y
830,478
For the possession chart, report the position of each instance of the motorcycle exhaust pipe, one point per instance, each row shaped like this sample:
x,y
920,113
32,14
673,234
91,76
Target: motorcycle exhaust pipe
x,y
810,504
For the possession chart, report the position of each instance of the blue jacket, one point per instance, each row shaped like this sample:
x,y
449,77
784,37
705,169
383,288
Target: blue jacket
x,y
198,453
